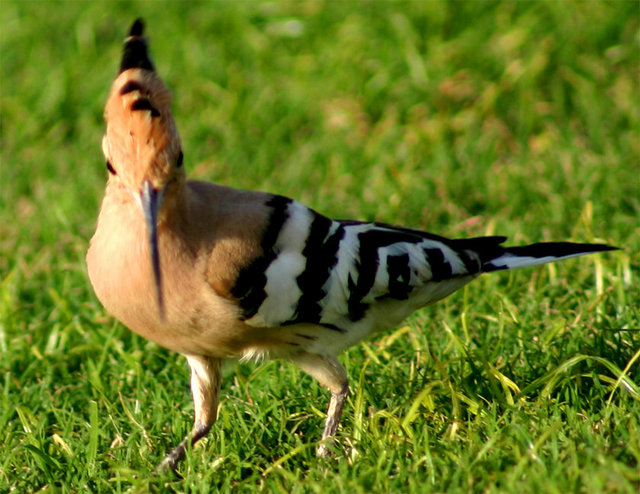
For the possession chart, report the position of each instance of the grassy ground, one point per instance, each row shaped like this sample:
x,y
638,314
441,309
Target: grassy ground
x,y
461,118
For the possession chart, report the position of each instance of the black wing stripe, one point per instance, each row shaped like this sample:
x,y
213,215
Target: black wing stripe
x,y
399,276
369,262
249,288
440,268
321,253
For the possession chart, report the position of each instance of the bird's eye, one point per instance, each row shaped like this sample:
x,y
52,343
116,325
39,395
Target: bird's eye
x,y
180,158
110,168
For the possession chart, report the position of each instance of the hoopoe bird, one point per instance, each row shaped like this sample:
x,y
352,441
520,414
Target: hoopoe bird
x,y
214,272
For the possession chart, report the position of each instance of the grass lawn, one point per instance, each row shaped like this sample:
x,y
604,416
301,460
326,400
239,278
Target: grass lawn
x,y
461,118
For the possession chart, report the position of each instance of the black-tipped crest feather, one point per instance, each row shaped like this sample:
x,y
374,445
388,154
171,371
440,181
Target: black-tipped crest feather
x,y
136,53
137,28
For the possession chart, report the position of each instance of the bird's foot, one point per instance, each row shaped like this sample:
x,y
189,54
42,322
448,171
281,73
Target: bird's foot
x,y
170,462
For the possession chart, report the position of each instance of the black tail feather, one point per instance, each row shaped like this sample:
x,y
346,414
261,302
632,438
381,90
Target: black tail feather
x,y
486,248
557,249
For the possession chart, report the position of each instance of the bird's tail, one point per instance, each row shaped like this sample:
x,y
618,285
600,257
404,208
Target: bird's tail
x,y
541,253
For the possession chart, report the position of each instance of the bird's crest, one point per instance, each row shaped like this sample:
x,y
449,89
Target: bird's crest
x,y
141,141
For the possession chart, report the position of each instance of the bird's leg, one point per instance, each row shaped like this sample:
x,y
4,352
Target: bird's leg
x,y
334,412
330,373
205,388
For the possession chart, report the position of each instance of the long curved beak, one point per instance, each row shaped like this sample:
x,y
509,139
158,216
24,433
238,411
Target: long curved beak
x,y
151,200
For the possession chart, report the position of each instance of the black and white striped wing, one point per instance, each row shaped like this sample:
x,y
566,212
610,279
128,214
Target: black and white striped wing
x,y
335,273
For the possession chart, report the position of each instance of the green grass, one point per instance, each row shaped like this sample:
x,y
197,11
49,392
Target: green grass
x,y
516,118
